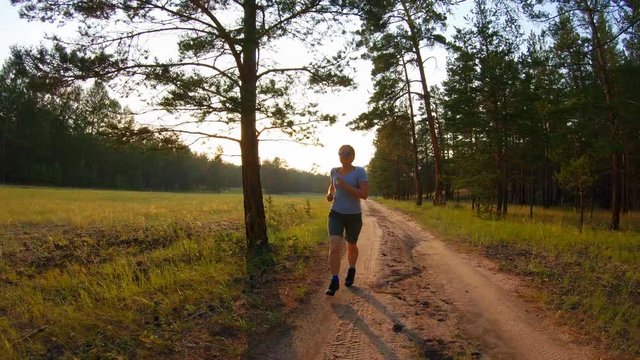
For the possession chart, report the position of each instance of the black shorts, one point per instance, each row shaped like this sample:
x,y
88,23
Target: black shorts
x,y
339,223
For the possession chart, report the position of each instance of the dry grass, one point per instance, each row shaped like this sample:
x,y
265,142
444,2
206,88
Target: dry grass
x,y
591,277
109,274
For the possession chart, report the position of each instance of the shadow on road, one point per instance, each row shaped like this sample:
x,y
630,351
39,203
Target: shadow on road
x,y
434,349
263,296
348,313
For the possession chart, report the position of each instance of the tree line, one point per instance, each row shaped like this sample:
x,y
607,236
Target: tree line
x,y
221,67
546,118
503,129
70,136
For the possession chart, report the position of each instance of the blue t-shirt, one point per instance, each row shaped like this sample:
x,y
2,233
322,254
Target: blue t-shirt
x,y
344,202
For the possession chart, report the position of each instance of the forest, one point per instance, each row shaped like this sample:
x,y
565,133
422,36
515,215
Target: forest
x,y
483,177
84,138
539,107
546,117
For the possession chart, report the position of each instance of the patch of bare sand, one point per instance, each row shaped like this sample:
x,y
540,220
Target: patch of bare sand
x,y
415,298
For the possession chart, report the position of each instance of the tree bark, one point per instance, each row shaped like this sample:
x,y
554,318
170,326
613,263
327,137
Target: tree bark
x,y
547,190
532,198
426,97
602,71
254,216
625,183
505,176
581,208
416,169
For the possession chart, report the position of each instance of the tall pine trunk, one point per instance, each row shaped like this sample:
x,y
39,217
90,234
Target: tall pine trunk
x,y
254,217
581,208
625,183
547,190
532,198
506,171
414,140
426,97
603,74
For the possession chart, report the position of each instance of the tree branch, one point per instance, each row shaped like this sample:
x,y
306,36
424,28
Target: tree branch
x,y
190,132
303,10
223,32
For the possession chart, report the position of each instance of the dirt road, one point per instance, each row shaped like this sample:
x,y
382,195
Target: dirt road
x,y
416,298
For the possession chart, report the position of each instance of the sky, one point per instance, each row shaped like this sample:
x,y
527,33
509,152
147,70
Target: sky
x,y
349,104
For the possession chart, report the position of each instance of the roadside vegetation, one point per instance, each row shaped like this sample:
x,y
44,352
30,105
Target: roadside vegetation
x,y
111,274
591,278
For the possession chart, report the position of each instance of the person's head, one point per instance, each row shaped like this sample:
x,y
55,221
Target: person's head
x,y
346,154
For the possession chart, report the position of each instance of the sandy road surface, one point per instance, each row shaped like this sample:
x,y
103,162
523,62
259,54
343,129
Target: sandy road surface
x,y
415,298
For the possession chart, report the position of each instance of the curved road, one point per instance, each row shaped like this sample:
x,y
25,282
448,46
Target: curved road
x,y
416,298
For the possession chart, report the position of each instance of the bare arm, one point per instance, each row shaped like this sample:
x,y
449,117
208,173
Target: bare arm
x,y
330,191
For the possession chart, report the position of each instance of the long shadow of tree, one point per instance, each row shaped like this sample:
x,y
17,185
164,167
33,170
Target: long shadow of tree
x,y
269,329
435,349
348,313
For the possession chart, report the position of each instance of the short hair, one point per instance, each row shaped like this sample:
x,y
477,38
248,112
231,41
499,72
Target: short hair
x,y
353,151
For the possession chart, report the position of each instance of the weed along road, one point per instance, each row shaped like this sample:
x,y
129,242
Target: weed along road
x,y
414,298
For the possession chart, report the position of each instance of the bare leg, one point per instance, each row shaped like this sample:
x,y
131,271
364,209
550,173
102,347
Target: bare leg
x,y
352,254
335,254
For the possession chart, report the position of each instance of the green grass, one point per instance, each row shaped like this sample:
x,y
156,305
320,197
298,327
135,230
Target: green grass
x,y
592,277
115,274
81,208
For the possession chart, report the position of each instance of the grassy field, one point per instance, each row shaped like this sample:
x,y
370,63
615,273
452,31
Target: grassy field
x,y
115,274
590,278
